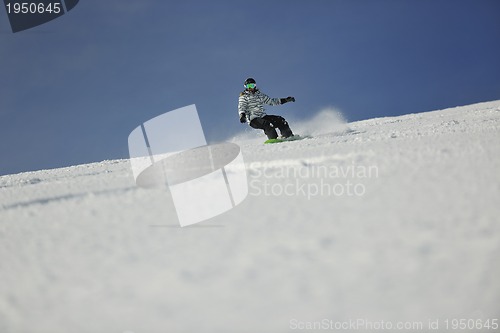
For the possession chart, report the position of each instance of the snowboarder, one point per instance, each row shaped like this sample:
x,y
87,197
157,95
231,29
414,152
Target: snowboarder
x,y
251,111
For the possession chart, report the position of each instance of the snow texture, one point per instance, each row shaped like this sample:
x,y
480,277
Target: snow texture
x,y
393,219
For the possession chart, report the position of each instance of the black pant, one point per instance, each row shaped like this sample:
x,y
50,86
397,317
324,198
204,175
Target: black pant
x,y
268,123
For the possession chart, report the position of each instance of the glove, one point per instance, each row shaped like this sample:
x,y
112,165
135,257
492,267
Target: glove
x,y
243,118
288,99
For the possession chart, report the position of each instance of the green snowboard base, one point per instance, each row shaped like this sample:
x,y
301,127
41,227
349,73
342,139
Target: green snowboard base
x,y
292,138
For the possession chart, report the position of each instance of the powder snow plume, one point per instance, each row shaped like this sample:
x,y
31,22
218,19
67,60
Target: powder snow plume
x,y
326,120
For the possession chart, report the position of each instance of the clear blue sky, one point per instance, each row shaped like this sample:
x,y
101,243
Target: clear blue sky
x,y
73,89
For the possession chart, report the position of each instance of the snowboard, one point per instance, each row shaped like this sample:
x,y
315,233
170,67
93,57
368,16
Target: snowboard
x,y
292,138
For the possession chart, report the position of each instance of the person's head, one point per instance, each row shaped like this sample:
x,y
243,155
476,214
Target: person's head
x,y
250,84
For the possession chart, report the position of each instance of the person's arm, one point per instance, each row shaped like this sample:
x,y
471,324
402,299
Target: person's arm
x,y
268,100
276,101
242,107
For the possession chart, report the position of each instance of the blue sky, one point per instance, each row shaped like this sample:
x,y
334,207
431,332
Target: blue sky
x,y
73,89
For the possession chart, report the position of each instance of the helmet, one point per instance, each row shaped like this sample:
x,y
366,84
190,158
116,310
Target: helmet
x,y
249,80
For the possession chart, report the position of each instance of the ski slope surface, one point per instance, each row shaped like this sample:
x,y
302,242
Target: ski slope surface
x,y
392,220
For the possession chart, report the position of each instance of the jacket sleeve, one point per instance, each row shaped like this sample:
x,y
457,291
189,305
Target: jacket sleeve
x,y
270,101
242,105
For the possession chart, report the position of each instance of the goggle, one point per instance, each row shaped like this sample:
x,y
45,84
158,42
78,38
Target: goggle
x,y
250,85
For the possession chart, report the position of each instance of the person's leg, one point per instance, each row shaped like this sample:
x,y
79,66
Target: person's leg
x,y
280,123
266,125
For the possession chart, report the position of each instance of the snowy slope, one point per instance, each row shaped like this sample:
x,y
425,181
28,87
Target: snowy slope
x,y
392,219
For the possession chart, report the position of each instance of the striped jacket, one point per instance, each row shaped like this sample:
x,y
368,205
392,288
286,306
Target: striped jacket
x,y
252,104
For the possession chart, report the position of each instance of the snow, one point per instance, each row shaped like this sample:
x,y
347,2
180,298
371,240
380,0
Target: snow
x,y
392,219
